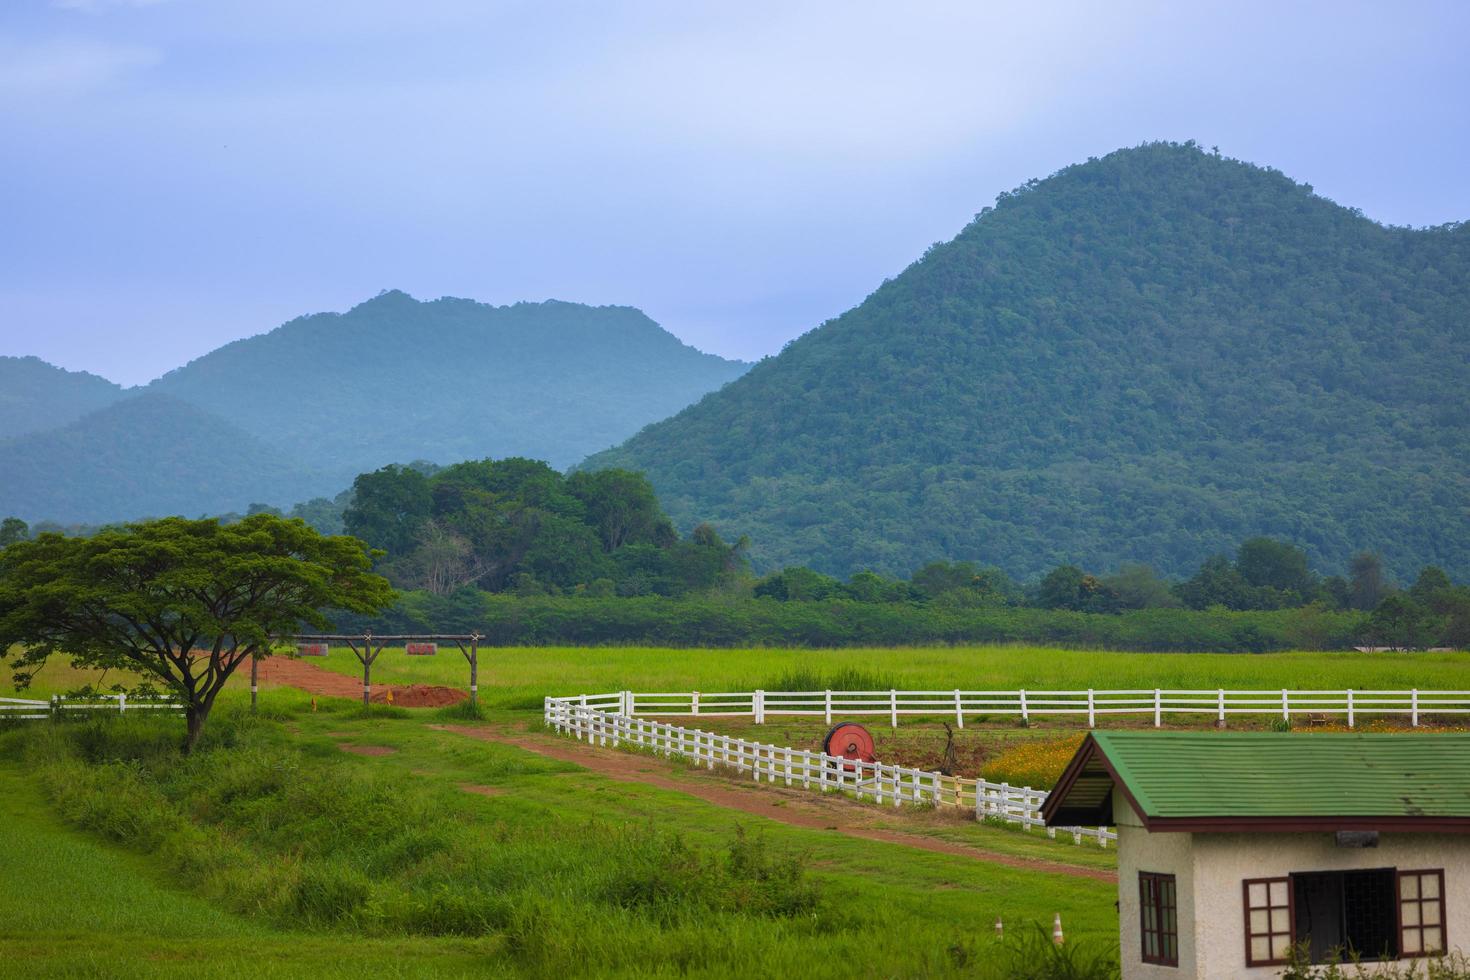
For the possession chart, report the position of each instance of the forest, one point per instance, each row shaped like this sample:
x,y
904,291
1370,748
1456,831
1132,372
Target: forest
x,y
538,556
1148,357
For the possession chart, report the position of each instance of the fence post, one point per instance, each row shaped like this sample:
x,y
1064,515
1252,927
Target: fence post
x,y
1220,719
694,702
55,707
829,707
1091,710
1350,708
1158,707
1285,706
959,710
1414,708
1025,715
122,702
893,707
758,707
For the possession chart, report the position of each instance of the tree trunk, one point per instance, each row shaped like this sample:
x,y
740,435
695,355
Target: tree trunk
x,y
194,717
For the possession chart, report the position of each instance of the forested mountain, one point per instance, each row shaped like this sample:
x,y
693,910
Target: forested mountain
x,y
35,395
1145,357
395,379
326,397
146,455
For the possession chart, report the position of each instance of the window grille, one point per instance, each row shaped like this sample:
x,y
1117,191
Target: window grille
x,y
1421,913
1158,909
1268,916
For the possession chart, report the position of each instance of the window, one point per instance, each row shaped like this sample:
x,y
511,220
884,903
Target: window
x,y
1158,914
1350,912
1267,921
1421,913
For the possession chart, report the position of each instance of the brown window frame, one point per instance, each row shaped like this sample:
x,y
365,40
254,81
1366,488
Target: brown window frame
x,y
1400,902
1268,908
1151,885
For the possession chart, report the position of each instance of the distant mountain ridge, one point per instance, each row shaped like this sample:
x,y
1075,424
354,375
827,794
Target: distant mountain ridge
x,y
148,455
324,397
1145,357
35,396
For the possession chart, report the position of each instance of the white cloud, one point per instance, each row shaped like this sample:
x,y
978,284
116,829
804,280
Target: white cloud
x,y
68,65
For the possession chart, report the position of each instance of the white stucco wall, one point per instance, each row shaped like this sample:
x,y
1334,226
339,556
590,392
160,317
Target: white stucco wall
x,y
1210,869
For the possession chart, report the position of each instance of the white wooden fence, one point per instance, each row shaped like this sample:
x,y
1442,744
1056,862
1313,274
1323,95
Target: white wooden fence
x,y
959,705
600,719
21,709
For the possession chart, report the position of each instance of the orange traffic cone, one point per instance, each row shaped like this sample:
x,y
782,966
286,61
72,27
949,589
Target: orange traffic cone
x,y
1056,930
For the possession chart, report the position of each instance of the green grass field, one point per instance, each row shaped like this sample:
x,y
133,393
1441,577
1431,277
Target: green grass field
x,y
520,676
339,864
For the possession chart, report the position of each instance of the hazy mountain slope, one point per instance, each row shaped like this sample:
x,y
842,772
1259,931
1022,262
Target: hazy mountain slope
x,y
147,455
35,395
394,379
1144,357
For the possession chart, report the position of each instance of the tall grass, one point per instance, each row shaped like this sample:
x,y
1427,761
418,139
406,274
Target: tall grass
x,y
299,835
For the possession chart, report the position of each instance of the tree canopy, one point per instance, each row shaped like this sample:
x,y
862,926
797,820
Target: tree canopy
x,y
180,602
1147,357
519,525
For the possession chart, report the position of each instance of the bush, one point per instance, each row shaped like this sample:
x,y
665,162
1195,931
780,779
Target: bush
x,y
511,620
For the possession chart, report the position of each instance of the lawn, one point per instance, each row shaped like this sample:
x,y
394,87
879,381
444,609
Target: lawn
x,y
519,677
597,870
344,864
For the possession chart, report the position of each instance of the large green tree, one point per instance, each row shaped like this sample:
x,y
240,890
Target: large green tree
x,y
181,602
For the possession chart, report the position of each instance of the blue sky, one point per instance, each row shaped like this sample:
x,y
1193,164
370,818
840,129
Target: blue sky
x,y
175,174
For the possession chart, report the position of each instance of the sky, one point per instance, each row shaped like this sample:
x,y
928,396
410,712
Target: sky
x,y
176,174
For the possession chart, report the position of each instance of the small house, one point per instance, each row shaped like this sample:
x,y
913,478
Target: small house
x,y
1233,847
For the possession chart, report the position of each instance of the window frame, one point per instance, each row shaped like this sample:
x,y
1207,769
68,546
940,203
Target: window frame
x,y
1268,908
1158,879
1400,901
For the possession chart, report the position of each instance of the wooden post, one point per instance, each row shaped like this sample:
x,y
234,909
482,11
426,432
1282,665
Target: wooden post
x,y
1414,708
1025,717
475,669
893,707
829,707
1285,706
1158,707
694,703
1220,711
959,710
1091,710
1350,708
254,678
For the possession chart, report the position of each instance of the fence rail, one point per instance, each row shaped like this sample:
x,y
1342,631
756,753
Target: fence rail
x,y
1025,704
22,709
601,719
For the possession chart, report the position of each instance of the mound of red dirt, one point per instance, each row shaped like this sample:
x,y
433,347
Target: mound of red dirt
x,y
314,680
420,696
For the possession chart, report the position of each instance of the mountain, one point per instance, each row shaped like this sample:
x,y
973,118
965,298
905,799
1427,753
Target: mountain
x,y
1145,357
395,379
305,408
35,395
146,455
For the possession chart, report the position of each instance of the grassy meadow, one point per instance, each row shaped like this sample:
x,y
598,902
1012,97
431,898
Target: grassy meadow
x,y
421,851
518,677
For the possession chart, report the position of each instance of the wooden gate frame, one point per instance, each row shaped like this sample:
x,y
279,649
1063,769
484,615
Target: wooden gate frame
x,y
366,647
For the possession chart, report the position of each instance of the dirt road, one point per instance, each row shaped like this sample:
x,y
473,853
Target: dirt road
x,y
796,807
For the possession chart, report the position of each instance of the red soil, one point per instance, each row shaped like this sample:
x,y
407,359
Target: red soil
x,y
314,680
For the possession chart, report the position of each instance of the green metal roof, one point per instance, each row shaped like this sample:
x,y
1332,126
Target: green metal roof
x,y
1255,775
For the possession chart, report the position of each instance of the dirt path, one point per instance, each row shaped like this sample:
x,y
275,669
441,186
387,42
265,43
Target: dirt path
x,y
314,680
799,808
